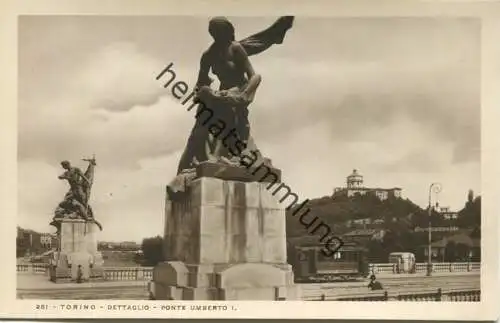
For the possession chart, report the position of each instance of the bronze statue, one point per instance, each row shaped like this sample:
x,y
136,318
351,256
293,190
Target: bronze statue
x,y
76,200
227,137
228,60
77,193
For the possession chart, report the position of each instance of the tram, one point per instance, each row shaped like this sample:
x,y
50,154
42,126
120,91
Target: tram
x,y
310,264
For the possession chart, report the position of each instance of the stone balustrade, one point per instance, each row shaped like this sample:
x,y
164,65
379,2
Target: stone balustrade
x,y
34,268
385,268
465,293
462,295
132,273
145,273
110,273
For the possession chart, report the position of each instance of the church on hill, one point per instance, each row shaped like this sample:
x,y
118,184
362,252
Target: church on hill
x,y
355,186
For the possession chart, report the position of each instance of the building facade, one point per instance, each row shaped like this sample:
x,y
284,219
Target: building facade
x,y
446,213
456,248
365,235
122,246
48,240
355,186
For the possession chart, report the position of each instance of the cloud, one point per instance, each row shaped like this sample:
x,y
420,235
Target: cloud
x,y
357,102
125,202
397,99
82,118
119,77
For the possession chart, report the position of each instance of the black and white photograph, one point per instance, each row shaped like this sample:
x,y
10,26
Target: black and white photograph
x,y
237,158
224,158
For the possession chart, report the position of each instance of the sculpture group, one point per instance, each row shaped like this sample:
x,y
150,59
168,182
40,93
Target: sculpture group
x,y
229,61
76,257
224,235
75,204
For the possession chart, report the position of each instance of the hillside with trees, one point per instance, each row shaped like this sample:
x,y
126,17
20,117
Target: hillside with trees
x,y
398,218
336,212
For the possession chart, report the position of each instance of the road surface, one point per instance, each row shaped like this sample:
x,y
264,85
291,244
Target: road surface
x,y
395,284
38,287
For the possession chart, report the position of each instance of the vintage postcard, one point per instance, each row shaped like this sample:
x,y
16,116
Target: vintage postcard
x,y
183,159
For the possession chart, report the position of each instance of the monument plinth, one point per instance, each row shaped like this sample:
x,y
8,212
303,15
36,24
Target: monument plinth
x,y
77,257
224,231
224,240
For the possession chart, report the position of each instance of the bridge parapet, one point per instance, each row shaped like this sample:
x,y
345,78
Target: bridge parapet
x,y
110,273
36,268
387,268
452,295
145,273
131,273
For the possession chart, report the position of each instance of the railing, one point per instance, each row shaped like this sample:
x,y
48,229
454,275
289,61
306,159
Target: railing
x,y
110,273
146,273
133,273
422,267
37,268
466,295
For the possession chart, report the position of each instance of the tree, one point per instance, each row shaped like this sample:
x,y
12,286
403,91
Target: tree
x,y
462,252
377,252
470,196
470,215
21,247
28,241
476,233
152,249
450,251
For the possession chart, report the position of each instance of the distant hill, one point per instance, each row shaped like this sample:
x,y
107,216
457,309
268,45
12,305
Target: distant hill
x,y
397,217
338,211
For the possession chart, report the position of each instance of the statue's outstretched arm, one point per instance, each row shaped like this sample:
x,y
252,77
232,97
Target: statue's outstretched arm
x,y
241,57
203,78
253,79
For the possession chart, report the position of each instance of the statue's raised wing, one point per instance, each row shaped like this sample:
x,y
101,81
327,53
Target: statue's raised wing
x,y
89,174
275,34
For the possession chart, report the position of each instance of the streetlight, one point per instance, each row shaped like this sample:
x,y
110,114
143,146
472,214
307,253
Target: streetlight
x,y
436,188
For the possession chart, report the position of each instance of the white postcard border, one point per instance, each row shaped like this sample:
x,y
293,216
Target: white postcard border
x,y
487,11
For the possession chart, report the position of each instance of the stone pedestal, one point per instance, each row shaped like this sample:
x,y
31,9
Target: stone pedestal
x,y
224,240
77,253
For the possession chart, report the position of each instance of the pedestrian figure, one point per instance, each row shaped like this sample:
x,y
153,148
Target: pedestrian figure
x,y
374,284
79,274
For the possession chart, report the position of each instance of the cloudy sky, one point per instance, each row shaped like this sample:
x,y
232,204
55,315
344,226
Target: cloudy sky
x,y
398,99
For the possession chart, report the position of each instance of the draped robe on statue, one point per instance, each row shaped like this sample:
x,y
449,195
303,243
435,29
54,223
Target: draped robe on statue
x,y
202,145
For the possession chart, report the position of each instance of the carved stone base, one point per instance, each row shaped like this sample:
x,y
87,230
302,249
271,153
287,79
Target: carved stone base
x,y
224,240
77,258
248,281
264,174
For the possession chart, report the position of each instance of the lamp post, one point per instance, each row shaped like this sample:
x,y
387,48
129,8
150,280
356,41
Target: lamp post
x,y
436,188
